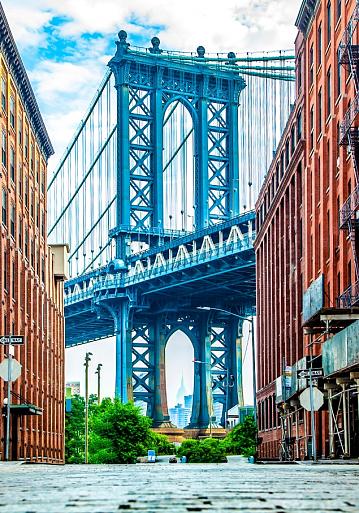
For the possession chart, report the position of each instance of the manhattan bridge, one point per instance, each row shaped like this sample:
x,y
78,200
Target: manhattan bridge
x,y
154,196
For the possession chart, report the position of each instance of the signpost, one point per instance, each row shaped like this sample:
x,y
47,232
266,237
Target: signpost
x,y
10,370
305,373
318,399
14,341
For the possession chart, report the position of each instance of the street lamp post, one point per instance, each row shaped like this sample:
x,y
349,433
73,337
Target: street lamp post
x,y
87,360
251,321
98,372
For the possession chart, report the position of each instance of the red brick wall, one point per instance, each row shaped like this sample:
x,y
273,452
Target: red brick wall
x,y
279,255
30,300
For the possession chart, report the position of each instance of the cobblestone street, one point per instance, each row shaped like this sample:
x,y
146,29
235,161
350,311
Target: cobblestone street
x,y
179,488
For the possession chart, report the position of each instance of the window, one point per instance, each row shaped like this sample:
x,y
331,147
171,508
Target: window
x,y
43,270
42,181
32,260
20,181
292,140
349,273
339,9
42,223
319,45
32,157
299,72
13,281
12,221
3,93
37,168
20,130
329,22
12,112
20,232
320,114
282,165
339,74
299,125
3,148
26,192
311,64
32,203
311,120
329,92
12,164
27,145
287,153
4,207
5,271
26,243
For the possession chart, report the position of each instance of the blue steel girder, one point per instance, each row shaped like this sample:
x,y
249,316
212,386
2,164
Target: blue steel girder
x,y
146,85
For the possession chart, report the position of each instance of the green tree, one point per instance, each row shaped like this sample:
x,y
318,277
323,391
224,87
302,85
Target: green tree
x,y
242,438
119,433
75,431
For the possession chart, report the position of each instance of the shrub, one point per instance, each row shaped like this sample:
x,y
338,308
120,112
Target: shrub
x,y
242,438
209,450
160,444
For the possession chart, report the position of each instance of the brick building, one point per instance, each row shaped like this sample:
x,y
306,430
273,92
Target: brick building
x,y
327,292
31,273
279,255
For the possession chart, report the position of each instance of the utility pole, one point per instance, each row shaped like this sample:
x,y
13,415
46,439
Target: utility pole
x,y
87,360
98,372
8,406
312,418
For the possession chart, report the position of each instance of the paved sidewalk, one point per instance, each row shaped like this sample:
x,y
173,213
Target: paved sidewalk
x,y
153,488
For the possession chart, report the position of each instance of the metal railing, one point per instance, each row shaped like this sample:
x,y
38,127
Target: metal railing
x,y
348,120
348,35
349,208
350,296
110,281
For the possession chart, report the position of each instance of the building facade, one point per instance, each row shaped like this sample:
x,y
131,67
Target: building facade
x,y
330,211
31,291
279,256
307,281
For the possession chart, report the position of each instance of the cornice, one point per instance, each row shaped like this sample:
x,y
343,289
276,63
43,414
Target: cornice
x,y
306,14
17,69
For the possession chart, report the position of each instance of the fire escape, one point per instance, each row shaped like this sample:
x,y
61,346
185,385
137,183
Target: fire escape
x,y
349,137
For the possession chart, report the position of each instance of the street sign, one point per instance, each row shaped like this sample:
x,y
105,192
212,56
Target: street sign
x,y
15,341
318,399
15,370
305,373
151,456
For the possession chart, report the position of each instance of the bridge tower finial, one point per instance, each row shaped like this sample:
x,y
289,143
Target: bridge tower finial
x,y
155,45
122,45
201,51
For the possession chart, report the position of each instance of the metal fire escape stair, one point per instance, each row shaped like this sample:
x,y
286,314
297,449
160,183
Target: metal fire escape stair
x,y
349,136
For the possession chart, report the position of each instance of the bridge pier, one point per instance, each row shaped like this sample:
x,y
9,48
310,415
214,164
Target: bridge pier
x,y
123,383
159,407
202,410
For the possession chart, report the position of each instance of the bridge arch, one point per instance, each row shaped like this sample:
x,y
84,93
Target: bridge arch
x,y
179,152
179,365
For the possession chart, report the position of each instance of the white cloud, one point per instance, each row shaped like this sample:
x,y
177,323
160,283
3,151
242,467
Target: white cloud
x,y
64,89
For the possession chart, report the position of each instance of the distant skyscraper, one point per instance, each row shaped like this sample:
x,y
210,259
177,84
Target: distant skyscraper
x,y
180,415
75,387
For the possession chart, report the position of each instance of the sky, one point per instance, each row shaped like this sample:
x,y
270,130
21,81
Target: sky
x,y
65,46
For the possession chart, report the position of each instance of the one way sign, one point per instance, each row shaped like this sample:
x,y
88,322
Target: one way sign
x,y
305,373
